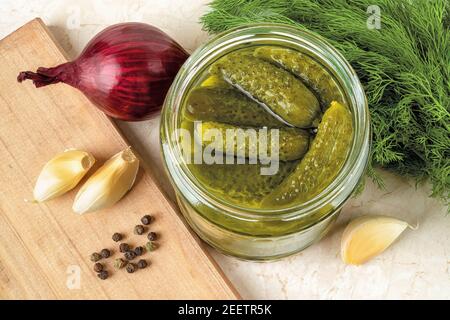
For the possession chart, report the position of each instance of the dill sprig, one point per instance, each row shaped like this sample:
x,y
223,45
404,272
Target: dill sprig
x,y
404,67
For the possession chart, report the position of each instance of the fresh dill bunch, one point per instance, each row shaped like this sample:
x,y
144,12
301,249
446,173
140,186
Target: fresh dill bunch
x,y
404,68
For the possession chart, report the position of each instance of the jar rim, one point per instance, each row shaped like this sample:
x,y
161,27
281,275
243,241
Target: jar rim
x,y
349,81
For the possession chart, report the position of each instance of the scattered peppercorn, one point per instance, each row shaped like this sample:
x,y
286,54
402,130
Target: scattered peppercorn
x,y
139,251
95,257
131,267
139,229
130,255
120,263
152,236
124,247
103,274
147,219
151,246
117,237
98,267
142,264
105,253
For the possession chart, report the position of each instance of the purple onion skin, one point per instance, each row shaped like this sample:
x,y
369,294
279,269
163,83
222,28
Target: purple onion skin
x,y
125,70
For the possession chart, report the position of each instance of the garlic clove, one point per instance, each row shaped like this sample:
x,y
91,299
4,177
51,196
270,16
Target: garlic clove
x,y
368,236
108,184
61,174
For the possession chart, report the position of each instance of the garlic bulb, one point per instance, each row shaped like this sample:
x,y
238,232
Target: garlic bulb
x,y
368,236
108,184
61,174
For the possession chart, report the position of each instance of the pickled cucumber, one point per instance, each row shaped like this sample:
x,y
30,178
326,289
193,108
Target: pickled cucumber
x,y
274,88
321,163
228,106
306,68
292,142
242,184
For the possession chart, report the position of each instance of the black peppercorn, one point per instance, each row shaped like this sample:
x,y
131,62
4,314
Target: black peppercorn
x,y
117,237
139,251
152,236
95,257
131,267
98,267
147,219
103,274
124,247
142,264
130,255
139,229
105,253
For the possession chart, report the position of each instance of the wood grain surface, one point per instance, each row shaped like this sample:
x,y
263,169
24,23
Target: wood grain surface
x,y
45,248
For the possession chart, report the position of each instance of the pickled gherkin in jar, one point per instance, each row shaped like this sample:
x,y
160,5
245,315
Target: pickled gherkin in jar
x,y
305,68
290,144
322,162
228,106
274,88
241,184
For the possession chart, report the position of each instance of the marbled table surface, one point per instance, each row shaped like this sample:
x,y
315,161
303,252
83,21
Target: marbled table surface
x,y
417,266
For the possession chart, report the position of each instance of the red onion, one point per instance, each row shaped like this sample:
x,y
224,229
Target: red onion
x,y
125,70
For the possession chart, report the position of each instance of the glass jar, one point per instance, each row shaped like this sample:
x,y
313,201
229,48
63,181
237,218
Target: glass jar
x,y
261,234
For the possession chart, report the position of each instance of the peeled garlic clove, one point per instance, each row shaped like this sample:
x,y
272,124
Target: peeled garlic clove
x,y
108,184
61,174
368,236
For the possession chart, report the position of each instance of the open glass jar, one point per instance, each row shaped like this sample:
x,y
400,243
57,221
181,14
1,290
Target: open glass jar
x,y
256,233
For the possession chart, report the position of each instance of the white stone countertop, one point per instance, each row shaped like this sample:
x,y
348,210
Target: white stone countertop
x,y
417,266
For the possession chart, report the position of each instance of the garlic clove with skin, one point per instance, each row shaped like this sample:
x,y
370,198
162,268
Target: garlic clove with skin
x,y
61,174
368,236
108,184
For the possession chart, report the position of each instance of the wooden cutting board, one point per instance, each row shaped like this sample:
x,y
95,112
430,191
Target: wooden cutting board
x,y
45,248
